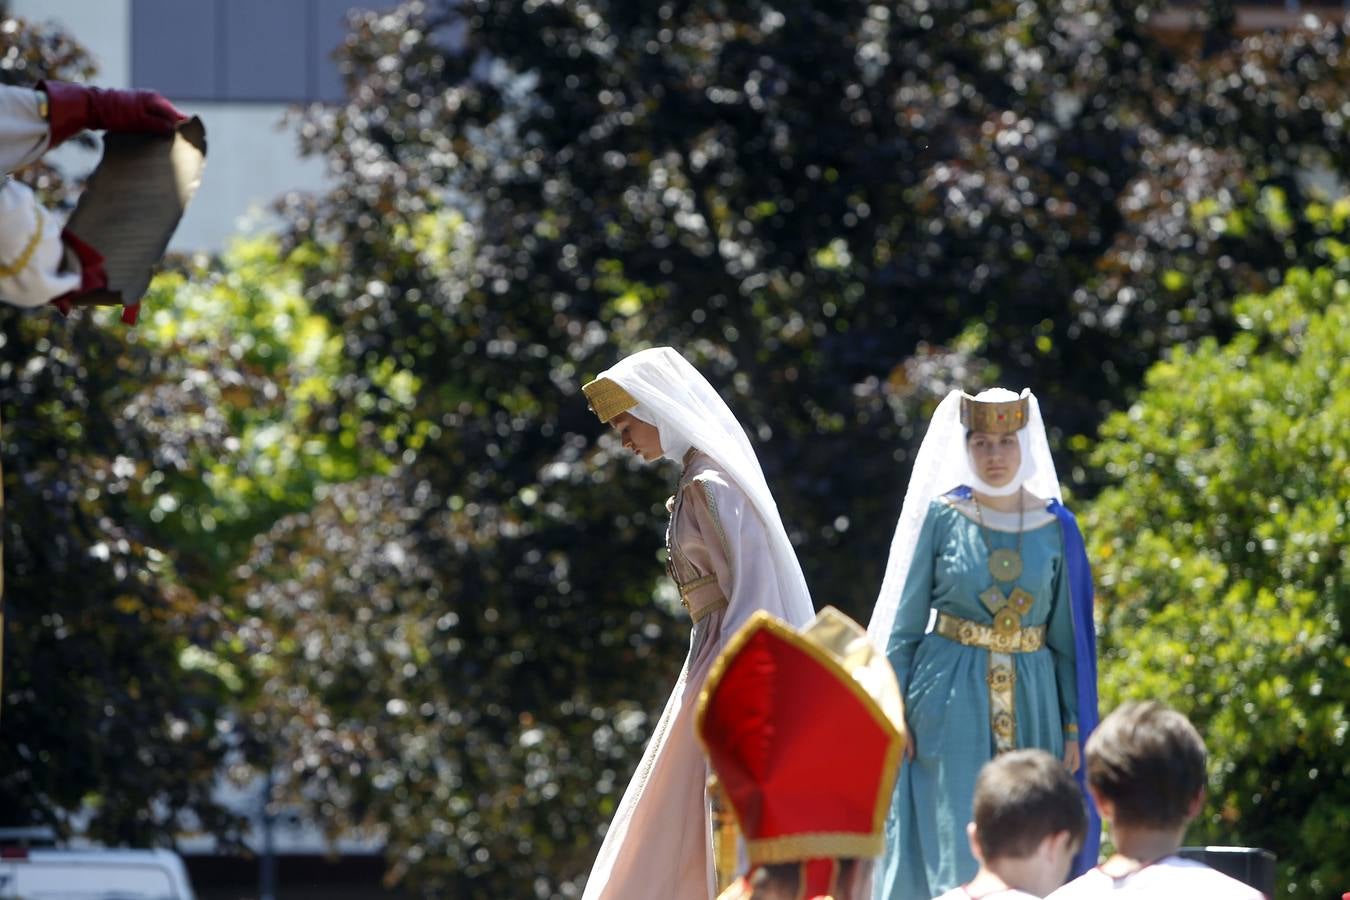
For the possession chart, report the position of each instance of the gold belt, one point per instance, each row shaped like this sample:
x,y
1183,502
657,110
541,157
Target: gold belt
x,y
689,587
1003,637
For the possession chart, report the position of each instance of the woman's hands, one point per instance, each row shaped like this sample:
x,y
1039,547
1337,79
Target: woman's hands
x,y
1073,755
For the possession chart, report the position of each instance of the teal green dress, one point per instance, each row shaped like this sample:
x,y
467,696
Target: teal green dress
x,y
947,693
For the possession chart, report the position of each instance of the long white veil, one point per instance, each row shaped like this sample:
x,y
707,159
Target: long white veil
x,y
689,412
942,464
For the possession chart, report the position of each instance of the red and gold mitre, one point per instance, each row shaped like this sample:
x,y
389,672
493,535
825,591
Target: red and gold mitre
x,y
995,416
804,730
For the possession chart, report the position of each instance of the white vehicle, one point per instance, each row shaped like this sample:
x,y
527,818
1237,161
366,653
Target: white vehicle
x,y
49,874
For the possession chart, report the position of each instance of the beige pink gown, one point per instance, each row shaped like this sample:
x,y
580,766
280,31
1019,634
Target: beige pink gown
x,y
659,844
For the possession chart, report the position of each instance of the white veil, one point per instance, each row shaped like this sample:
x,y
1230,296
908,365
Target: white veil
x,y
687,412
941,465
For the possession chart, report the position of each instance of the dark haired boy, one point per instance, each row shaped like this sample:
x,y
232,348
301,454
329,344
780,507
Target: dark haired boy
x,y
1029,821
1146,771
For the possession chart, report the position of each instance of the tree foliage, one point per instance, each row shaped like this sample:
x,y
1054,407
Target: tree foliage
x,y
838,211
100,718
139,465
527,191
427,582
1221,556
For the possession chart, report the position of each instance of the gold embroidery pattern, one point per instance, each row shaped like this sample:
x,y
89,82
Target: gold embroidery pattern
x,y
725,831
607,398
717,523
994,416
988,637
698,615
1002,701
1002,639
687,588
10,270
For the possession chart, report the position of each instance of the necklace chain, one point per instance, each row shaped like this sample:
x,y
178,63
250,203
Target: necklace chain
x,y
1001,560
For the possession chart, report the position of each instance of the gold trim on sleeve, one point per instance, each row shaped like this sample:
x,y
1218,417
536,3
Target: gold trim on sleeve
x,y
717,523
689,587
11,270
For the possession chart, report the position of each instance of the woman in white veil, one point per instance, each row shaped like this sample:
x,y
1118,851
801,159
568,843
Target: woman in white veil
x,y
985,612
729,555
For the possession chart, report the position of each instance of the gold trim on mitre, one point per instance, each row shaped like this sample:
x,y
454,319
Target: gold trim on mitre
x,y
994,416
816,845
607,398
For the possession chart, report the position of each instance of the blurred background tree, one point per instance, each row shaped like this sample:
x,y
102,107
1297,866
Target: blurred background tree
x,y
431,585
838,211
1221,553
102,722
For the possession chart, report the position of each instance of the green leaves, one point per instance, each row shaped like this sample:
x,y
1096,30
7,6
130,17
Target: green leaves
x,y
264,408
340,492
1220,553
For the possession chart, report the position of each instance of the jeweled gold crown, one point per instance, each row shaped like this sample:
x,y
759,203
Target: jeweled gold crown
x,y
994,416
607,398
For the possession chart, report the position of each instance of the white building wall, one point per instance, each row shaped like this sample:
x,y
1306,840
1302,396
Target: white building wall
x,y
251,158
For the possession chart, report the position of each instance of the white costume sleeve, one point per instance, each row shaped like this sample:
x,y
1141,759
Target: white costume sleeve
x,y
31,251
738,550
23,129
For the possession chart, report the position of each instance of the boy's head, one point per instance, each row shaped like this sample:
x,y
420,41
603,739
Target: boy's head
x,y
1028,812
1146,766
783,881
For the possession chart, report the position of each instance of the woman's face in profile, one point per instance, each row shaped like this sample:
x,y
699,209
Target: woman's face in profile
x,y
638,436
994,457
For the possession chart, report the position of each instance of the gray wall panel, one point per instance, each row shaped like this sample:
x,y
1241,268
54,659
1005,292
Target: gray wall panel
x,y
265,51
267,46
174,48
330,30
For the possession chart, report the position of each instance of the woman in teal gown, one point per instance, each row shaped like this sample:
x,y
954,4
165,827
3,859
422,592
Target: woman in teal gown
x,y
983,626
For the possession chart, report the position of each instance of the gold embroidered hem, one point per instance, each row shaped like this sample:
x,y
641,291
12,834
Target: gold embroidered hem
x,y
725,833
990,637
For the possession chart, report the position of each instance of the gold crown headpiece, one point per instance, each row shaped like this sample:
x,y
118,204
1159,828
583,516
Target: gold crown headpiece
x,y
994,416
607,398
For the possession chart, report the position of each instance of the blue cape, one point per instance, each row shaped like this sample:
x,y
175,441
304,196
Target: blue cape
x,y
1085,652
